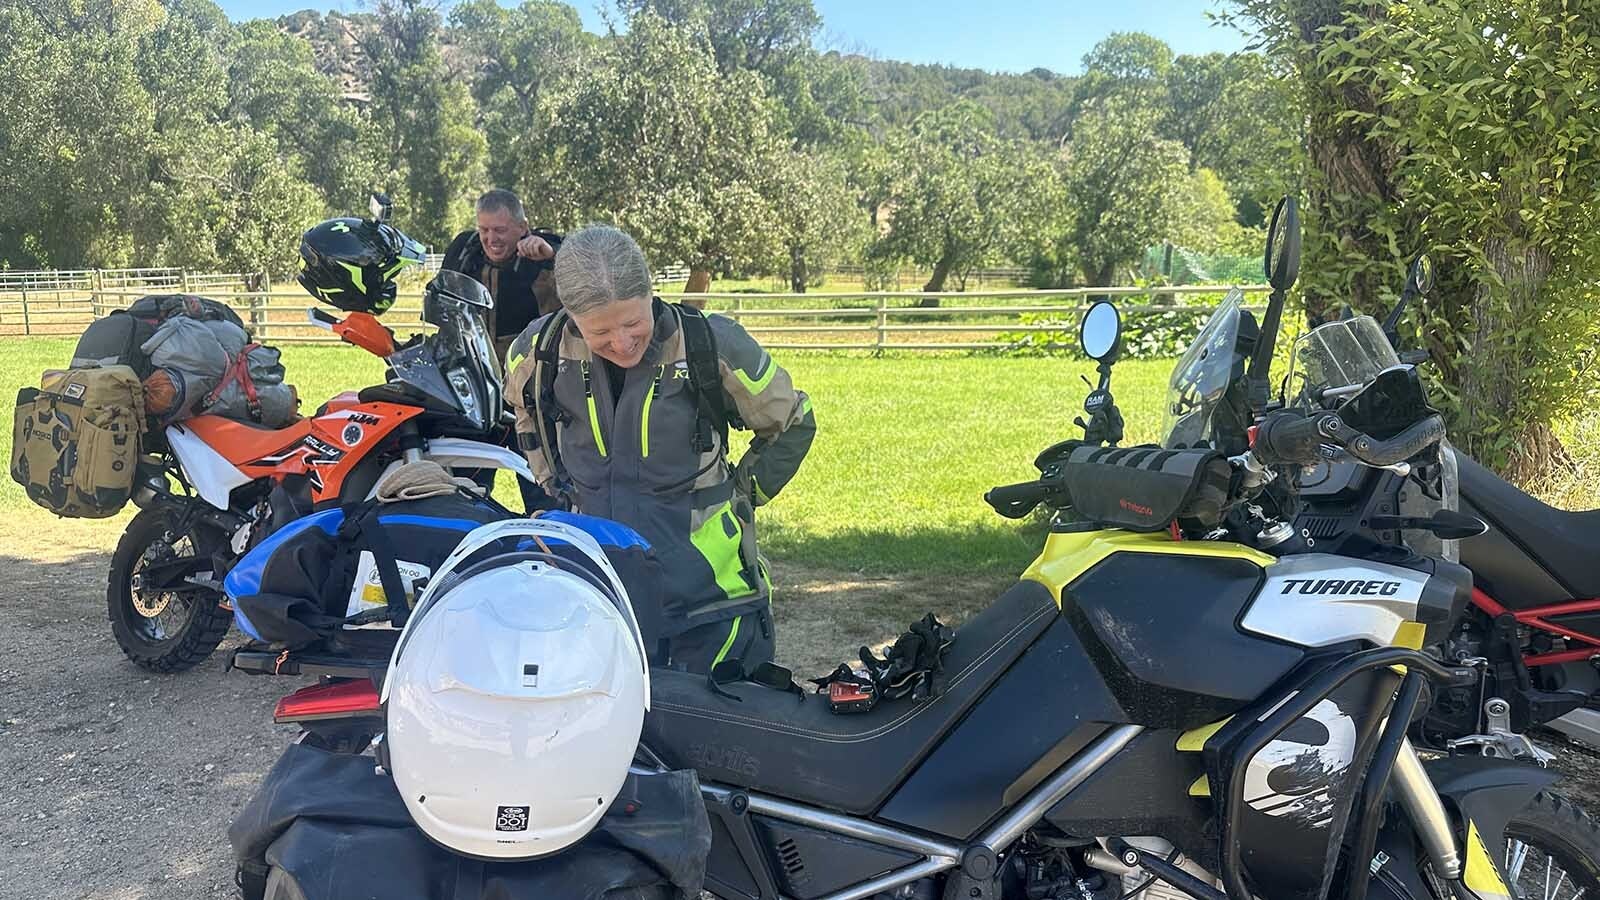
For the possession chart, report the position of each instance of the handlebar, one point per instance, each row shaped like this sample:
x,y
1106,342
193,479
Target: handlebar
x,y
1288,437
1017,500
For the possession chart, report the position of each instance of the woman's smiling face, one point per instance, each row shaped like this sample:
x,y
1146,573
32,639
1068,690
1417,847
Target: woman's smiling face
x,y
619,331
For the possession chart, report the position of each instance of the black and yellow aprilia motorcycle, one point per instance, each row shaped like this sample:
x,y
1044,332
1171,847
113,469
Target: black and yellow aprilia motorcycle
x,y
1180,697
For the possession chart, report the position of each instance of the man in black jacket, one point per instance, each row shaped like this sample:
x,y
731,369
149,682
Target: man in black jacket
x,y
516,265
512,261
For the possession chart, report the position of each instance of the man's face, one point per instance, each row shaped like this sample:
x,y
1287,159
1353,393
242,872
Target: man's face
x,y
499,233
619,331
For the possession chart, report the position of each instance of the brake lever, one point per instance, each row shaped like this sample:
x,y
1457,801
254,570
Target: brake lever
x,y
1339,454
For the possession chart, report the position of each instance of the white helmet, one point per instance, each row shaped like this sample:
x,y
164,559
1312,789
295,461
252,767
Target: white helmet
x,y
516,694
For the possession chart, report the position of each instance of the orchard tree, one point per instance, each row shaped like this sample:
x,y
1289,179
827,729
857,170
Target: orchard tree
x,y
819,216
959,197
653,139
1122,182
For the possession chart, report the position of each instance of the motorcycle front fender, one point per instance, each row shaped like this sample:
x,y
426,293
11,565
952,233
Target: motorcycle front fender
x,y
1486,794
459,453
1488,791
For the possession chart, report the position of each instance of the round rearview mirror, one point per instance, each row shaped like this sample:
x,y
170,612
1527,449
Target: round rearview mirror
x,y
1422,273
1100,330
1283,245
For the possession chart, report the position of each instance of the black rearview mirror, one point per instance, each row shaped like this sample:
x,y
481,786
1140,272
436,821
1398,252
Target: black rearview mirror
x,y
1420,279
1282,262
1101,331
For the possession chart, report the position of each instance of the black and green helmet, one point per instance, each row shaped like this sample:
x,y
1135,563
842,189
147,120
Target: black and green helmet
x,y
351,263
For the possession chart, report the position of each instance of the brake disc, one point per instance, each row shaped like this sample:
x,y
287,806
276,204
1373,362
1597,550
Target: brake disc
x,y
150,604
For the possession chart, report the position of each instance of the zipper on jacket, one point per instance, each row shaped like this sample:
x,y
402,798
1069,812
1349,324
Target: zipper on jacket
x,y
644,421
594,415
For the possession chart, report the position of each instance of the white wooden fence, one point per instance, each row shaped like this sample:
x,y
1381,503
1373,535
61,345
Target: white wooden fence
x,y
63,303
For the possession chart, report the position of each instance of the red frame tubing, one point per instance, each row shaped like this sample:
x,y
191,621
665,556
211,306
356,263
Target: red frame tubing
x,y
1536,618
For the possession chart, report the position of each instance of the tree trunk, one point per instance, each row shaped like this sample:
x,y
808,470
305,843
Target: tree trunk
x,y
941,271
797,269
699,282
1490,385
1357,173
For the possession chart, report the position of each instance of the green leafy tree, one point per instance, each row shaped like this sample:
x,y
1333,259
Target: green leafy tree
x,y
817,209
76,125
760,35
652,138
230,202
274,89
435,150
1468,128
518,53
1129,69
1240,119
1123,184
958,196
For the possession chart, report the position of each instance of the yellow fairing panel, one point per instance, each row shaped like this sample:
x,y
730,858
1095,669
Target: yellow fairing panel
x,y
1066,556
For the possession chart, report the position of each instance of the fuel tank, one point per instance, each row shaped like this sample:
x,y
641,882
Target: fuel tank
x,y
1186,632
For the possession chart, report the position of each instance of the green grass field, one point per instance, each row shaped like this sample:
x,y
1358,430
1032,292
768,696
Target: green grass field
x,y
906,447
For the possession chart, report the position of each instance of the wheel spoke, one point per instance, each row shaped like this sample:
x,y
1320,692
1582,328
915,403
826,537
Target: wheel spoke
x,y
1563,878
1516,856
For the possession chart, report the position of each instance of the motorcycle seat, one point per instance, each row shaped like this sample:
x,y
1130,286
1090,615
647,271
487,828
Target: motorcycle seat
x,y
1566,544
243,443
775,742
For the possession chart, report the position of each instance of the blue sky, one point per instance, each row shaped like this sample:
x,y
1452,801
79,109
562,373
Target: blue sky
x,y
1000,35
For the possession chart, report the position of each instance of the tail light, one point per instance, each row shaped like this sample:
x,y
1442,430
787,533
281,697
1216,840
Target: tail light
x,y
342,699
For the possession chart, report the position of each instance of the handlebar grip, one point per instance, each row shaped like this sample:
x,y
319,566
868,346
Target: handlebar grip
x,y
1290,438
321,316
1017,500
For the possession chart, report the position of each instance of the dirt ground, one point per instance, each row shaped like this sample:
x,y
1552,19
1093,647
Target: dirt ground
x,y
117,784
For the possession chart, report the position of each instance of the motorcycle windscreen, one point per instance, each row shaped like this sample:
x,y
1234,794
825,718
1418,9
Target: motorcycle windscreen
x,y
1300,788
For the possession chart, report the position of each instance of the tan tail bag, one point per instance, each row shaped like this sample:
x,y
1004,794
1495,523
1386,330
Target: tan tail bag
x,y
75,440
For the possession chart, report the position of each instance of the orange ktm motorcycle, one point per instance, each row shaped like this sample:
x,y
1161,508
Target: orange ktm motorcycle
x,y
210,488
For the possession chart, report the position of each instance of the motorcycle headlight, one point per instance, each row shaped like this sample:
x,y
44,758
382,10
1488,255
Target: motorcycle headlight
x,y
466,397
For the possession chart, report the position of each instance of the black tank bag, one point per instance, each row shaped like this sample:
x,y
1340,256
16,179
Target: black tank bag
x,y
1147,488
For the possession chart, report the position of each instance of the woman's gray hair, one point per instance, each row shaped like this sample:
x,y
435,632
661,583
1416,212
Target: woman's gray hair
x,y
597,265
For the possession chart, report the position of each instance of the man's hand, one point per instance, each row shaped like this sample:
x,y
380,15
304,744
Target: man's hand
x,y
535,248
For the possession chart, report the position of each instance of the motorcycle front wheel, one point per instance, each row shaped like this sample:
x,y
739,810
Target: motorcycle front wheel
x,y
1552,851
162,630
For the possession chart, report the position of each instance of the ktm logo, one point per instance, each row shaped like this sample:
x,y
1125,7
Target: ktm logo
x,y
1354,587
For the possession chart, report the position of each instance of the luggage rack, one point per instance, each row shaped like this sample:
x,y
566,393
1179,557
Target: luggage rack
x,y
254,661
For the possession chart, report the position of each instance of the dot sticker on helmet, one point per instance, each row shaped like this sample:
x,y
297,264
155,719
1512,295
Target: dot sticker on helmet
x,y
530,675
511,818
